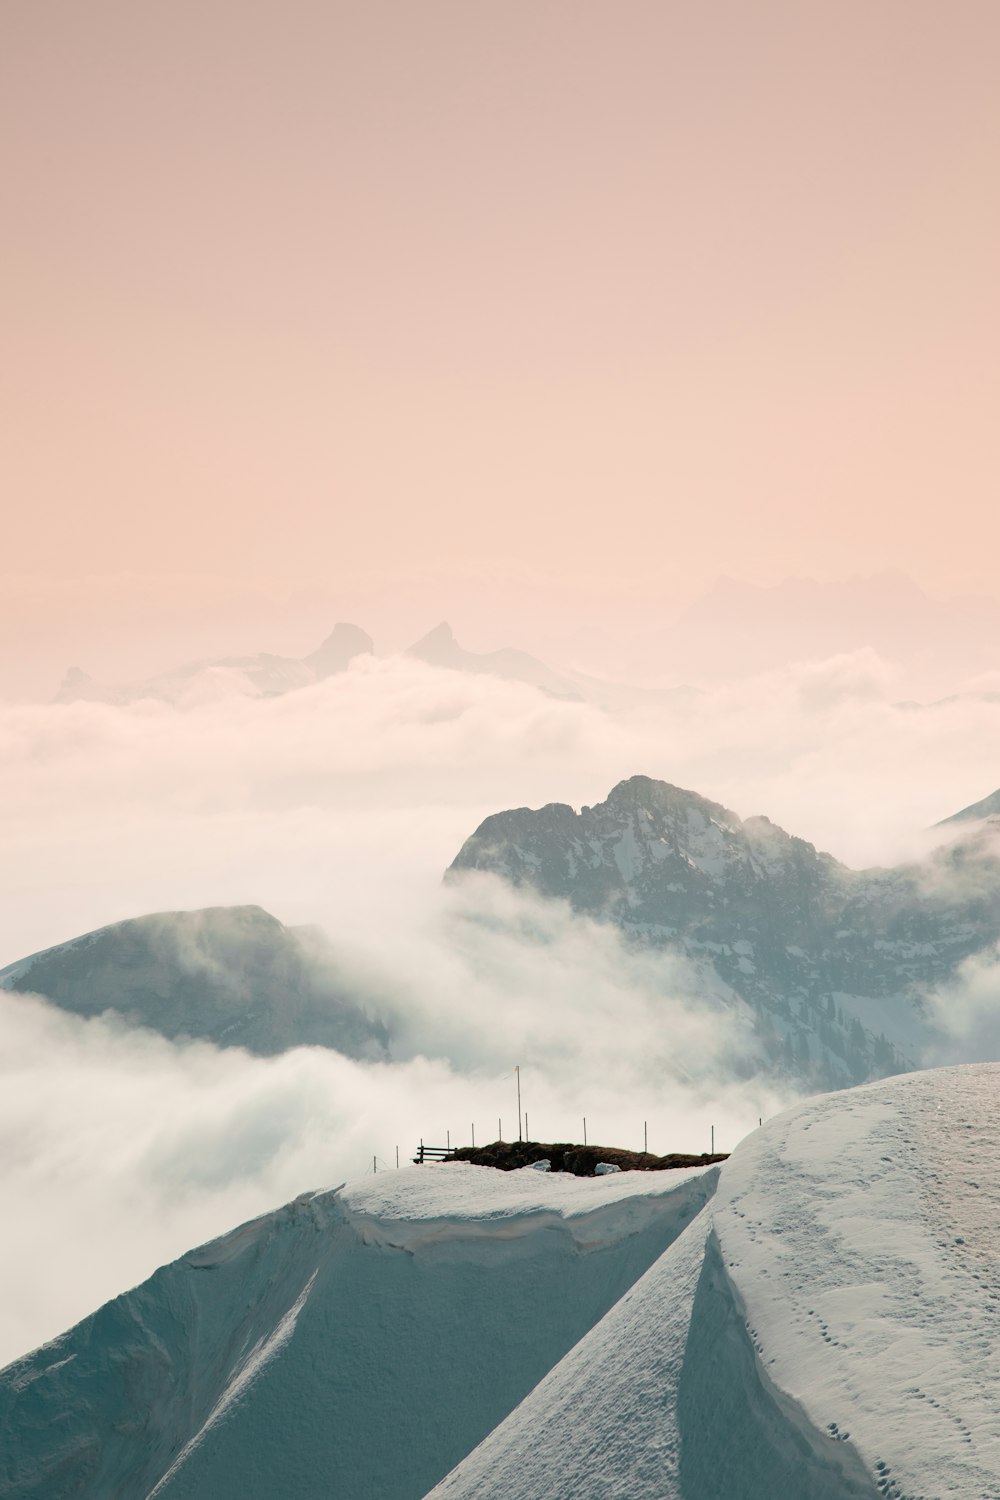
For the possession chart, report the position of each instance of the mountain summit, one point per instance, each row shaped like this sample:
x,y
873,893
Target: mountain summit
x,y
834,962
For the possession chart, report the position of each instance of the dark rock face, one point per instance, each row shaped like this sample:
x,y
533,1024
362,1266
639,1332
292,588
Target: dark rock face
x,y
832,961
230,975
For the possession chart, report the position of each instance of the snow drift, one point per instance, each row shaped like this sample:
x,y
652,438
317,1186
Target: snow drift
x,y
824,1326
827,1327
356,1343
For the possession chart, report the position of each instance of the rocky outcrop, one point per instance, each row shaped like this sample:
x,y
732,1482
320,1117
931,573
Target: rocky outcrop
x,y
833,961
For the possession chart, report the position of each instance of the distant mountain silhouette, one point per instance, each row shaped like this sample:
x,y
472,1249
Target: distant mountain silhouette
x,y
439,648
263,675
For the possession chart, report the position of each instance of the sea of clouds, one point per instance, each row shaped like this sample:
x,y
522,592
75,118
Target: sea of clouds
x,y
341,804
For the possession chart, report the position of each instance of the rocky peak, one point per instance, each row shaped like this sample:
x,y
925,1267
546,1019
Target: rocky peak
x,y
439,648
341,646
832,960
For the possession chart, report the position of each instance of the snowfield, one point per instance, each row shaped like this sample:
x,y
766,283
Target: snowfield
x,y
823,1328
356,1343
827,1328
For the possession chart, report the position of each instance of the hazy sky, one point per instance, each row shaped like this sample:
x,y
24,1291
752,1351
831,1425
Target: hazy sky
x,y
625,296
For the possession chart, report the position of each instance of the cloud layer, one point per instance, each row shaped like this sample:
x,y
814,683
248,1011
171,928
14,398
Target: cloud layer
x,y
338,800
342,804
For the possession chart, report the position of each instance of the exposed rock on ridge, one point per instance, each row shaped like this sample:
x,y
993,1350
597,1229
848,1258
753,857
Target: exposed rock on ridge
x,y
833,961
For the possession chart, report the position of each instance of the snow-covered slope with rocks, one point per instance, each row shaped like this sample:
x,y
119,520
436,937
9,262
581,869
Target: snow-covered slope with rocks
x,y
233,975
828,1327
356,1343
834,962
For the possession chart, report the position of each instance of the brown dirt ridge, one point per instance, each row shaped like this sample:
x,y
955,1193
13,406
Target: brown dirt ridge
x,y
506,1156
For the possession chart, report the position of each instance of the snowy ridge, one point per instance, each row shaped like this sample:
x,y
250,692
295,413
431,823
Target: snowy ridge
x,y
828,1326
358,1341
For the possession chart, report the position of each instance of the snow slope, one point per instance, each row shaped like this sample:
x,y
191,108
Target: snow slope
x,y
827,1328
356,1343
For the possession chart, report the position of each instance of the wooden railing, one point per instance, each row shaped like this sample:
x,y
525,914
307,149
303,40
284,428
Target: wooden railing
x,y
432,1153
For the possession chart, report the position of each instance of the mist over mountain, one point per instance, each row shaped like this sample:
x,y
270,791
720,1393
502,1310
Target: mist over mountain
x,y
267,675
988,807
263,675
736,628
439,648
234,976
835,963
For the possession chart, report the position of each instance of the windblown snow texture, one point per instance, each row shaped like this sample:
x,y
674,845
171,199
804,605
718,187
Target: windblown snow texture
x,y
827,1328
833,962
356,1343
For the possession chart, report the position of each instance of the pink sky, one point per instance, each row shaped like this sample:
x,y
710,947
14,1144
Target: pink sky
x,y
622,297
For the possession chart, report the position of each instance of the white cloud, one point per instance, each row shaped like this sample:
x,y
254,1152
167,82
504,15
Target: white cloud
x,y
120,1150
966,1012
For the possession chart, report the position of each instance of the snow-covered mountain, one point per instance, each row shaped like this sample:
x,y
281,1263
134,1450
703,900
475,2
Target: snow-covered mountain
x,y
264,675
356,1343
233,975
823,1326
834,962
827,1327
